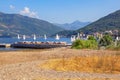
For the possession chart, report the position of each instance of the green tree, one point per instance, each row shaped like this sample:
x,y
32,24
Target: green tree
x,y
91,38
106,40
85,44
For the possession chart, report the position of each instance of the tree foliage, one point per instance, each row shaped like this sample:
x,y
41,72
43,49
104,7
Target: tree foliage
x,y
91,38
84,44
106,40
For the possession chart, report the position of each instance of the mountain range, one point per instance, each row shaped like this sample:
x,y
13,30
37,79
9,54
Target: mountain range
x,y
13,24
73,26
109,22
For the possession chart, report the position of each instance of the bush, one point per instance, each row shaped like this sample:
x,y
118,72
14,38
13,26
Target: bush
x,y
91,38
118,43
84,44
113,47
106,40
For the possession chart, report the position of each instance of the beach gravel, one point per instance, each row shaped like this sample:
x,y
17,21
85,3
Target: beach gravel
x,y
30,70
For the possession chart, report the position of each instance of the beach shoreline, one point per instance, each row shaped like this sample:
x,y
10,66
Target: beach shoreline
x,y
24,64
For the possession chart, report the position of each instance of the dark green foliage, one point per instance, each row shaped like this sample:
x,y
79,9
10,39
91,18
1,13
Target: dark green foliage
x,y
108,43
110,22
77,44
85,44
106,40
13,24
91,38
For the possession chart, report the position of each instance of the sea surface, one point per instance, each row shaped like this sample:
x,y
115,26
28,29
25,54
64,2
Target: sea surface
x,y
13,40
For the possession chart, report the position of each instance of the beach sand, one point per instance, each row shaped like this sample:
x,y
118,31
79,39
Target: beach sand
x,y
24,65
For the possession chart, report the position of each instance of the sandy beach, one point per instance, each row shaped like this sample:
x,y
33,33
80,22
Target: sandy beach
x,y
24,65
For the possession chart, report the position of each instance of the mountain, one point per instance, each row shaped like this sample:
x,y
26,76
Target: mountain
x,y
13,24
109,22
74,25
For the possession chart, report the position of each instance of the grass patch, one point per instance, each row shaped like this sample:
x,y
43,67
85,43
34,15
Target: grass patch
x,y
97,64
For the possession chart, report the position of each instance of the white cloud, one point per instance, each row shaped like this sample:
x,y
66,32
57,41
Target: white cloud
x,y
12,7
26,11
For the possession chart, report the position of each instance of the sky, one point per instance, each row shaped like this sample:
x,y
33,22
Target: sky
x,y
61,11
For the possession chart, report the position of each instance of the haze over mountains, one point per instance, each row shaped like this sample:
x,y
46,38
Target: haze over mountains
x,y
109,22
73,26
13,24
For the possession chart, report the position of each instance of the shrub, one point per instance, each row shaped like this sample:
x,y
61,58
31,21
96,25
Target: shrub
x,y
91,38
106,40
113,46
84,44
118,43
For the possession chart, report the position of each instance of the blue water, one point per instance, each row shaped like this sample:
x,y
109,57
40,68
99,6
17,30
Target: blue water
x,y
13,40
10,49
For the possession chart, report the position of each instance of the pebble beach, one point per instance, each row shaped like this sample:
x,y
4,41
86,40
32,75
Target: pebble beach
x,y
24,65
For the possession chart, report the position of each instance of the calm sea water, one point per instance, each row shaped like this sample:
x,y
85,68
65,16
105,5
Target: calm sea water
x,y
12,40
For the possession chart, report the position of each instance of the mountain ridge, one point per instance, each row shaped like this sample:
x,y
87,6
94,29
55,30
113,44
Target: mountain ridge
x,y
106,23
13,24
109,22
74,25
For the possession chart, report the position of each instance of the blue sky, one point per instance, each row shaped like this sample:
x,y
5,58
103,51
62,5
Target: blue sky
x,y
61,11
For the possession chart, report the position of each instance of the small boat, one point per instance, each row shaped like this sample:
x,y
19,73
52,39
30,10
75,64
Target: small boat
x,y
57,37
117,38
34,37
18,36
73,38
45,37
24,37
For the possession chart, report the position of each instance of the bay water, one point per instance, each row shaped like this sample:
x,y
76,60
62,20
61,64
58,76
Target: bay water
x,y
13,40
